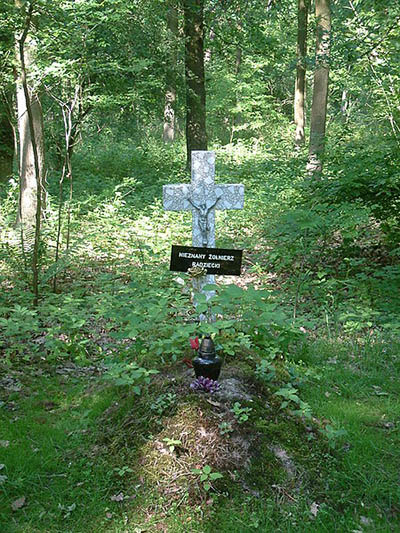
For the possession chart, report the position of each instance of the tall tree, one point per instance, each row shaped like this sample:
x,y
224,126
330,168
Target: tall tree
x,y
31,146
300,89
320,88
196,136
30,125
170,92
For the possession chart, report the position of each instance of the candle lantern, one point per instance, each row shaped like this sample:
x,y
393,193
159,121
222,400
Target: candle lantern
x,y
207,363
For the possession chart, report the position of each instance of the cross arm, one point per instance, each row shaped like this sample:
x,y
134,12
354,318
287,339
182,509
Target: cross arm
x,y
231,196
175,197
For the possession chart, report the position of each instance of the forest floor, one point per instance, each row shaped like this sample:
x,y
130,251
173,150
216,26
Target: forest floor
x,y
304,434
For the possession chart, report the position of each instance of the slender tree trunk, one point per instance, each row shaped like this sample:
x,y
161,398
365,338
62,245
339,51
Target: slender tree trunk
x,y
31,118
235,116
6,140
320,88
196,136
300,89
30,178
29,181
170,93
67,110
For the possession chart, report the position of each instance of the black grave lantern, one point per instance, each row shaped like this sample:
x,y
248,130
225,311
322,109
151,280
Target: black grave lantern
x,y
207,363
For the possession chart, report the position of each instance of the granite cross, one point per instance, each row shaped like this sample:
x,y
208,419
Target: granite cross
x,y
202,196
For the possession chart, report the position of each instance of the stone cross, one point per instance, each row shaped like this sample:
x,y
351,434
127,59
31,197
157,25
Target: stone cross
x,y
202,196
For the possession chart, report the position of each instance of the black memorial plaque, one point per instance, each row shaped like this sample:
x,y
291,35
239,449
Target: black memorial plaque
x,y
215,260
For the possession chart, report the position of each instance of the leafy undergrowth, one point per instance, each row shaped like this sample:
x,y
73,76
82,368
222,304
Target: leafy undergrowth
x,y
80,455
315,445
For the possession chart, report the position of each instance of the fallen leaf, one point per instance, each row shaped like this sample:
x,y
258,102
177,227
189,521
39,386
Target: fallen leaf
x,y
388,425
4,443
379,392
109,515
365,521
314,508
117,497
215,404
18,503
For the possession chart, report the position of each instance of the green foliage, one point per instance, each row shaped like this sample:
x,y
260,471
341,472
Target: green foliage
x,y
333,435
20,326
206,476
172,443
240,413
163,403
225,428
130,374
290,396
265,371
321,262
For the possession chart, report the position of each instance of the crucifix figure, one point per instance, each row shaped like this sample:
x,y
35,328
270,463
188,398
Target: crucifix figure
x,y
203,210
202,196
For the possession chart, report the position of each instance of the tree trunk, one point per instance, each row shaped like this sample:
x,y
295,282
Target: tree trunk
x,y
6,141
236,116
170,92
300,89
29,179
320,89
196,137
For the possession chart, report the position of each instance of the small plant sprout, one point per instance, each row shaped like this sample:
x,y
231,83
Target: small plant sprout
x,y
172,443
121,471
289,393
241,413
332,434
225,428
206,476
163,402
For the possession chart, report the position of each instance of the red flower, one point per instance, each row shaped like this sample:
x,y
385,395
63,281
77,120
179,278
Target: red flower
x,y
194,343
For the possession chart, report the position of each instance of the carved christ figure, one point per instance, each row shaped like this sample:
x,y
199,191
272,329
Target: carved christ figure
x,y
203,211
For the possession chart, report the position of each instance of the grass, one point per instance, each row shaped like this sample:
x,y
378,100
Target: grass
x,y
88,456
76,443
